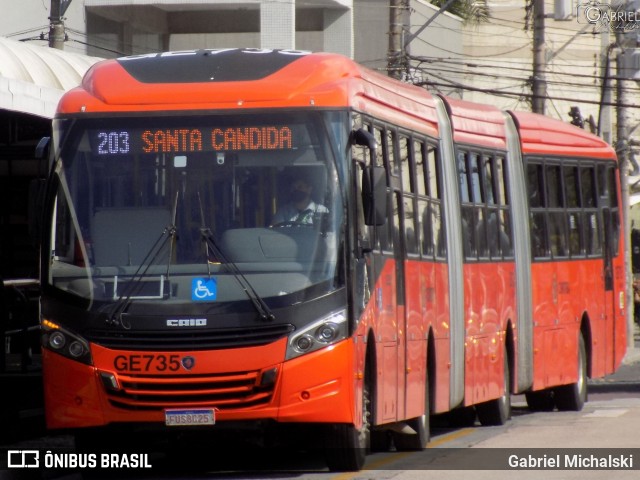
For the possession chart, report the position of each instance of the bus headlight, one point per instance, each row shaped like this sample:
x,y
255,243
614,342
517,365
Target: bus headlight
x,y
318,334
67,344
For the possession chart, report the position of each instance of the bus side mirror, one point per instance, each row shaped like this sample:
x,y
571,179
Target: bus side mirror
x,y
374,181
42,149
374,195
365,138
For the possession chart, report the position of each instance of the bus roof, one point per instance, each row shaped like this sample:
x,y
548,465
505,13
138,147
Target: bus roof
x,y
544,135
243,79
477,124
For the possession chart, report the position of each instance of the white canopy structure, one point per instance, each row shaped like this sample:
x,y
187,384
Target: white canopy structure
x,y
33,78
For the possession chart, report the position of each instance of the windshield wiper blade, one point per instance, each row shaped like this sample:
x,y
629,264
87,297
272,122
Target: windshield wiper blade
x,y
258,302
210,243
114,316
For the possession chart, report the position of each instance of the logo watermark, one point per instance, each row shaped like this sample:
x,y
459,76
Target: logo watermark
x,y
56,460
23,458
616,17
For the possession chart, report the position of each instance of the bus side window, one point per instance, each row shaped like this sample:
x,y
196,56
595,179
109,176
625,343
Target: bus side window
x,y
574,218
535,185
504,219
424,210
592,222
614,210
438,231
468,220
383,239
409,226
556,216
558,234
479,201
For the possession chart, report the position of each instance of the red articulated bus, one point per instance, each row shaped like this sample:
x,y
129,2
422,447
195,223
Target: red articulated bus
x,y
267,238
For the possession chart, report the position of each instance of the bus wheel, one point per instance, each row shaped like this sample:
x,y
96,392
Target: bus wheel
x,y
381,440
540,401
462,417
415,441
498,411
346,446
573,396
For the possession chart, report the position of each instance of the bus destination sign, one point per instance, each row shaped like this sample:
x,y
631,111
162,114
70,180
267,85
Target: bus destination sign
x,y
190,140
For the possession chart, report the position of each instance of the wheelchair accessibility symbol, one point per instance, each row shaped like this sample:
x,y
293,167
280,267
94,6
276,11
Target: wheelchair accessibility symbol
x,y
204,289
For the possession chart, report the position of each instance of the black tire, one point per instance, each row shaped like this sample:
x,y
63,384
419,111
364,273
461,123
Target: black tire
x,y
498,411
405,442
381,440
462,417
346,446
540,401
572,397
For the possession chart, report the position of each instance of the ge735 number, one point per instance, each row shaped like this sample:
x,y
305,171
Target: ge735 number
x,y
146,363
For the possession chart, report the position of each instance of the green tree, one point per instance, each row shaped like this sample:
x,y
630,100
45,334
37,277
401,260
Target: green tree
x,y
471,11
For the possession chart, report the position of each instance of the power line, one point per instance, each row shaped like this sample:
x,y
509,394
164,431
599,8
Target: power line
x,y
497,92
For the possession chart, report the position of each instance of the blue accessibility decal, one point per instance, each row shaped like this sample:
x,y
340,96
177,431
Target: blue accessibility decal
x,y
204,289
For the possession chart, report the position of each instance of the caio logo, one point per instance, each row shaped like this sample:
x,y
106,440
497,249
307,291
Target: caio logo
x,y
23,458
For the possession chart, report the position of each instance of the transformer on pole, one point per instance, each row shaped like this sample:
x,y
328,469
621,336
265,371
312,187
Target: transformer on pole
x,y
57,35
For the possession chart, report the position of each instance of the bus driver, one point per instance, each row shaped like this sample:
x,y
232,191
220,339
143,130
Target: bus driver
x,y
301,209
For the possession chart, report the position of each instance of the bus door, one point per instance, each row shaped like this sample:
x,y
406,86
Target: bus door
x,y
397,381
402,307
611,230
387,267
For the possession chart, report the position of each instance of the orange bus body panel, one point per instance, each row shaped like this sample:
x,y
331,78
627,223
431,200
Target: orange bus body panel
x,y
312,388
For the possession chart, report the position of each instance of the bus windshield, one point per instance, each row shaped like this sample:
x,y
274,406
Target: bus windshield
x,y
198,208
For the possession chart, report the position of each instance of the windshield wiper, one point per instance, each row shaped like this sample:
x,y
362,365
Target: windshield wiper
x,y
210,242
114,316
258,302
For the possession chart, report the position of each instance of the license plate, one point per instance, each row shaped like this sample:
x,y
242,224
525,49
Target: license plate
x,y
184,418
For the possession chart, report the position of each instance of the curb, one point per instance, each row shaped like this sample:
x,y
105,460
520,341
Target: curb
x,y
632,356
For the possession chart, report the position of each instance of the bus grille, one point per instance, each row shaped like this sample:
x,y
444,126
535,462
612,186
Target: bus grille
x,y
222,391
193,339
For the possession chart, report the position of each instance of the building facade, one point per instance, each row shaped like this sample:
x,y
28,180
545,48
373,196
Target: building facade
x,y
110,28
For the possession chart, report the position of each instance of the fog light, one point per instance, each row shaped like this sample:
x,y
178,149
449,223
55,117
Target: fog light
x,y
57,340
76,349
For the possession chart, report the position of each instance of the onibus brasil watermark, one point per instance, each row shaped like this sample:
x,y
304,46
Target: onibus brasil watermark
x,y
612,16
56,460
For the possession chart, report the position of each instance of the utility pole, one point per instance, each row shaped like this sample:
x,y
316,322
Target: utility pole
x,y
57,34
538,82
628,44
398,24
